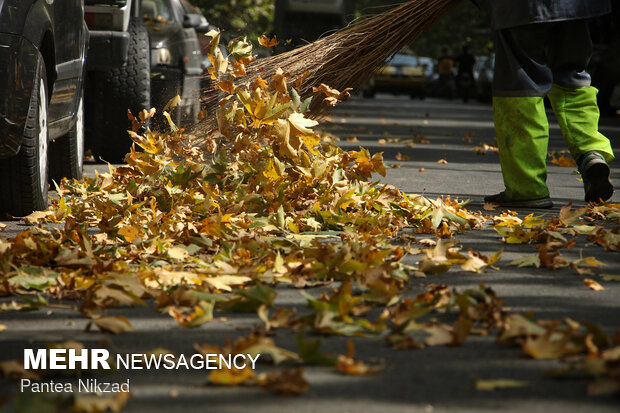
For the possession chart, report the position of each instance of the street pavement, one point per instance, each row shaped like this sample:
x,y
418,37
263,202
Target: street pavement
x,y
435,379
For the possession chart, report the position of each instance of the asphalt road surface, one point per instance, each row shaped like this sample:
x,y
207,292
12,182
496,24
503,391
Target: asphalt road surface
x,y
436,379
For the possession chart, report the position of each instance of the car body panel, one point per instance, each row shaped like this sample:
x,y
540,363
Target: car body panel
x,y
34,30
403,74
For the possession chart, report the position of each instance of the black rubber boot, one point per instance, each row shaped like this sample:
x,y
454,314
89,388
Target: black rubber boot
x,y
595,173
503,201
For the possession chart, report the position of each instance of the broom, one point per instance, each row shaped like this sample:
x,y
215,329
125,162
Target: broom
x,y
347,58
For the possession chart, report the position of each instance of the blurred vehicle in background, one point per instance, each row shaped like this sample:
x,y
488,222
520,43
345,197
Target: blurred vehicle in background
x,y
428,63
402,74
176,59
42,67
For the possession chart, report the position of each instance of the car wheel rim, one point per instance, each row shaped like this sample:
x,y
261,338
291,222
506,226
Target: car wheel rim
x,y
42,136
79,135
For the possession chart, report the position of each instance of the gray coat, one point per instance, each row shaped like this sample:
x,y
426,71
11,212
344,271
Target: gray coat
x,y
512,13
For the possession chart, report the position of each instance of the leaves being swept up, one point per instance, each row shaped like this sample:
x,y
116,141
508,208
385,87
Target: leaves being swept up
x,y
347,364
267,42
494,384
333,96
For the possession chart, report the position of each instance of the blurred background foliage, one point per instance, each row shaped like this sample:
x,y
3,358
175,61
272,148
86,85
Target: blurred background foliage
x,y
465,24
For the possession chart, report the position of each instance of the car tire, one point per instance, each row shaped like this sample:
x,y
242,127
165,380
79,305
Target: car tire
x,y
66,154
23,177
115,92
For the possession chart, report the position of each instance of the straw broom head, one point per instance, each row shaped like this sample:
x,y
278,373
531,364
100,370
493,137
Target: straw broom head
x,y
347,58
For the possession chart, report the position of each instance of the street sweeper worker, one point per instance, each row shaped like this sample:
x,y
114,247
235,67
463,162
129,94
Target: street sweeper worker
x,y
542,48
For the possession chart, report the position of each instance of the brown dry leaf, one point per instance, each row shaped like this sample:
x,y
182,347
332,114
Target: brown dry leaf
x,y
482,150
97,404
14,369
401,157
593,284
564,161
267,42
468,137
232,376
285,383
421,170
197,316
439,335
489,206
381,141
442,162
494,384
115,325
227,85
332,93
348,365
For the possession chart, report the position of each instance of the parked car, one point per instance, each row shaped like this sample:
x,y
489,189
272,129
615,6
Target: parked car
x,y
401,74
118,74
42,66
176,59
143,53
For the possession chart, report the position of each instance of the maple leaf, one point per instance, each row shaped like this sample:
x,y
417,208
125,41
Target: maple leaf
x,y
267,42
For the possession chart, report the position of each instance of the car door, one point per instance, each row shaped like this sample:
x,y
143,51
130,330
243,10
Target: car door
x,y
69,41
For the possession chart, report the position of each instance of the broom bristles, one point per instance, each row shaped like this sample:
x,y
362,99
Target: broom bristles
x,y
348,57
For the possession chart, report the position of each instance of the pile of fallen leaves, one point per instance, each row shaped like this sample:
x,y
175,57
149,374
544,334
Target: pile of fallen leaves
x,y
264,201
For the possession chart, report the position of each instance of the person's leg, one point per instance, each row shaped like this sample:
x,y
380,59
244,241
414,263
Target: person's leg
x,y
574,103
521,80
522,132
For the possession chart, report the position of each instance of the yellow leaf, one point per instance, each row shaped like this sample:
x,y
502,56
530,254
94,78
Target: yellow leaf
x,y
178,253
301,125
225,282
232,376
267,42
114,325
494,384
129,233
593,284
